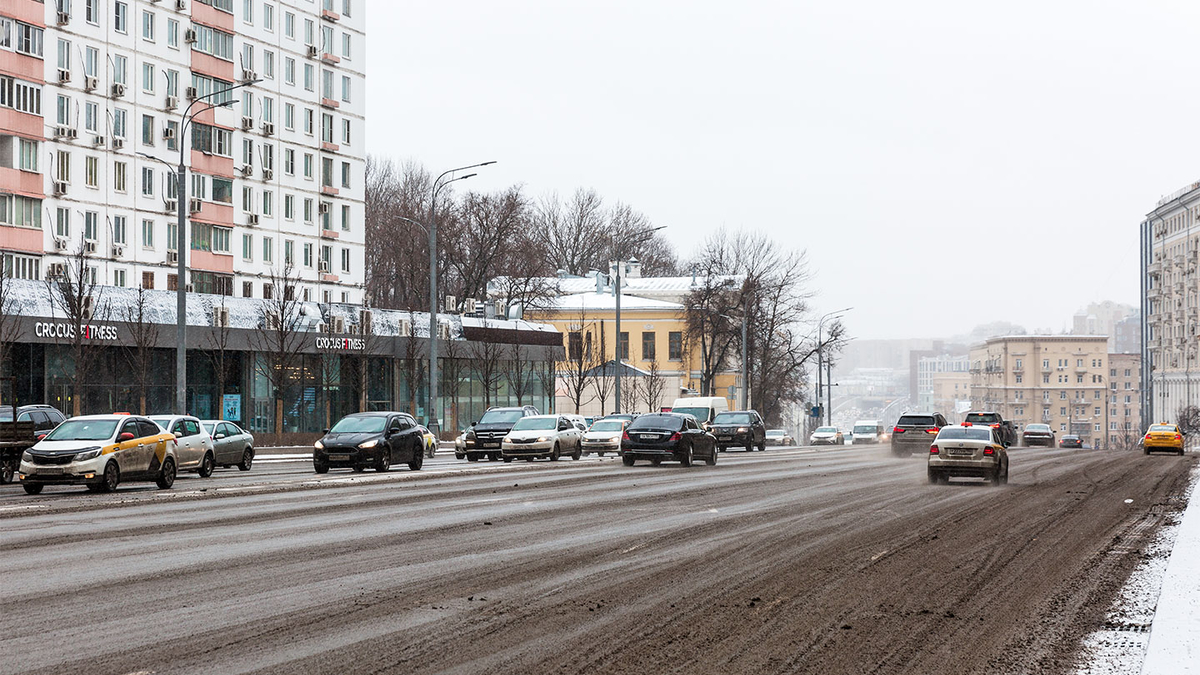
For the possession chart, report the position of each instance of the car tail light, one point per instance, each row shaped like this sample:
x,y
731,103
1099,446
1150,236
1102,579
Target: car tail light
x,y
1147,436
933,449
625,435
933,430
1178,437
897,430
966,424
995,426
675,437
989,450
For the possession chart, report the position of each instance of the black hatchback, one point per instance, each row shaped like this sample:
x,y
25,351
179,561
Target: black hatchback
x,y
667,436
370,440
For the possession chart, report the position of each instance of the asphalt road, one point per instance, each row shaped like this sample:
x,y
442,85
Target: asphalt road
x,y
790,561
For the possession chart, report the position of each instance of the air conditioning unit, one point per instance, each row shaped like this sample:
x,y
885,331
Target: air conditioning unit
x,y
118,90
221,317
247,170
501,310
64,18
171,205
173,257
118,143
249,75
60,187
172,102
247,123
88,307
339,324
118,250
268,174
180,5
62,132
169,133
451,303
469,306
366,322
189,36
57,271
98,141
405,328
72,132
191,93
323,266
189,289
268,128
323,207
90,82
89,247
64,75
443,331
61,243
194,205
312,51
252,219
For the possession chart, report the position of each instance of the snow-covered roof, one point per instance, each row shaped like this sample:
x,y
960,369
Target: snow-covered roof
x,y
607,301
633,285
505,324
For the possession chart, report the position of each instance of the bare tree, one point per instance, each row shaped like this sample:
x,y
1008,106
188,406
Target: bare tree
x,y
414,366
76,294
517,373
486,234
546,372
10,326
486,359
576,370
652,387
219,352
602,379
453,367
329,363
1188,419
279,337
143,342
572,235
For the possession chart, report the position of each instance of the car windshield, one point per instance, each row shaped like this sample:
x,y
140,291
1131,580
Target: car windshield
x,y
359,425
777,433
83,430
535,424
1038,427
965,434
501,416
826,430
668,422
606,425
1163,427
732,418
986,418
864,429
701,414
915,421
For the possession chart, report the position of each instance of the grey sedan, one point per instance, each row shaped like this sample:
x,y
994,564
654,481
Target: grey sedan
x,y
231,444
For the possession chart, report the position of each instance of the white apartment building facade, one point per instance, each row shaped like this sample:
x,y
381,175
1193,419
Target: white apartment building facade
x,y
92,94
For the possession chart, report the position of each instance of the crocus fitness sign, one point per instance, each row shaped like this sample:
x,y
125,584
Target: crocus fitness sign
x,y
66,331
341,344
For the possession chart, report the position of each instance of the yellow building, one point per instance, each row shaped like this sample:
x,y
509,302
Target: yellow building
x,y
951,393
660,364
1058,380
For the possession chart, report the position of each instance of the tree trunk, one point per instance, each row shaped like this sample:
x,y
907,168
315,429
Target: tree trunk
x,y
278,415
142,402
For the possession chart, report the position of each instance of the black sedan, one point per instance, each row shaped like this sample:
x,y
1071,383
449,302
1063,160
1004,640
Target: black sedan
x,y
1070,441
671,437
1037,434
370,440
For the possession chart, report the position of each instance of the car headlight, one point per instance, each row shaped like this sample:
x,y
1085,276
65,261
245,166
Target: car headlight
x,y
26,457
742,430
367,445
319,445
543,439
87,453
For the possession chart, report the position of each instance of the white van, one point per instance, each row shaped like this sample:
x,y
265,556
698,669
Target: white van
x,y
868,431
703,408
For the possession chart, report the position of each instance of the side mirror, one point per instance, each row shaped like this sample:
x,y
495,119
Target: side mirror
x,y
220,435
325,432
474,423
125,436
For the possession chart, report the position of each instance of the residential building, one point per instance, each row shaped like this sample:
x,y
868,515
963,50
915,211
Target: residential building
x,y
950,393
1058,380
93,98
1101,318
1128,336
927,368
1124,400
1169,245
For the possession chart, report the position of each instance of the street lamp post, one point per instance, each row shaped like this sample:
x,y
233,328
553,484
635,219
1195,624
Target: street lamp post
x,y
617,289
431,418
185,119
821,354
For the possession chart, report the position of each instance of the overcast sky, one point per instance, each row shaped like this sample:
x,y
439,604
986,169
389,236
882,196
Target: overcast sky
x,y
944,165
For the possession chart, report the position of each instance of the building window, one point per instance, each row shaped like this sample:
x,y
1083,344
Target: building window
x,y
268,203
308,255
90,225
268,64
346,132
91,171
147,181
648,346
346,88
21,211
89,11
173,33
345,217
289,252
289,25
308,166
346,260
214,42
119,278
308,211
148,234
268,249
17,266
147,130
346,47
248,247
120,17
148,26
27,151
63,166
269,17
675,345
289,116
346,174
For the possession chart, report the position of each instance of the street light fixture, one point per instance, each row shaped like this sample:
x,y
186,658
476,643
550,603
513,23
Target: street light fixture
x,y
646,236
820,356
431,418
186,118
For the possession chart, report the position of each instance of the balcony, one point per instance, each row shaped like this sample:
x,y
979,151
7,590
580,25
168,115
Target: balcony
x,y
1154,268
1177,260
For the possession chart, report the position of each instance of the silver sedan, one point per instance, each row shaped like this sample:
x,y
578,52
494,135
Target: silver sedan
x,y
232,444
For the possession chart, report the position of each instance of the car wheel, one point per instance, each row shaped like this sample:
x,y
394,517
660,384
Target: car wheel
x,y
686,458
508,460
578,453
554,454
32,488
166,475
627,460
385,461
750,446
762,447
320,467
417,461
934,477
472,457
431,450
1004,478
111,477
493,457
6,472
995,478
359,468
247,460
1145,451
711,460
206,466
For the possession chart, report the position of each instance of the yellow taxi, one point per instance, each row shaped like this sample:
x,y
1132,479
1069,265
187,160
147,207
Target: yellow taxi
x,y
100,451
1166,437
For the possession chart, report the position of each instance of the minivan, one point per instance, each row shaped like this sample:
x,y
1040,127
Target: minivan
x,y
867,431
703,408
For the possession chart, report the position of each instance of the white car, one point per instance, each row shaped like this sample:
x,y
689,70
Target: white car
x,y
549,436
100,451
826,436
968,451
193,446
604,436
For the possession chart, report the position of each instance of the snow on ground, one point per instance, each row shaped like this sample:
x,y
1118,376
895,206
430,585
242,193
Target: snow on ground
x,y
1121,646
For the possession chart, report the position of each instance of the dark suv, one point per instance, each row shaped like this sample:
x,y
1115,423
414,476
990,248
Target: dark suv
x,y
739,428
1005,428
914,432
371,440
483,438
44,417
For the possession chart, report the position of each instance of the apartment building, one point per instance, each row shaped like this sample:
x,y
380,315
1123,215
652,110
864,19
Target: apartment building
x,y
1058,380
100,99
950,393
1170,239
928,369
1125,400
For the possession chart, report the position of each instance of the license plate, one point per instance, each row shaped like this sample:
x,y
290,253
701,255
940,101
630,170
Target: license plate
x,y
339,458
489,445
961,452
52,471
725,438
649,437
